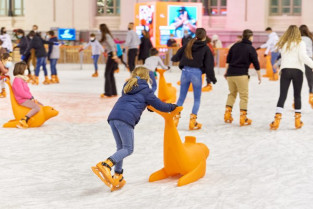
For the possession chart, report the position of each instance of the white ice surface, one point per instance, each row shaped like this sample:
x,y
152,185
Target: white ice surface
x,y
248,167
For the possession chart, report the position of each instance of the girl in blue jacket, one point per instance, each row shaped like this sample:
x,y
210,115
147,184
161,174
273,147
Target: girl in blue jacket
x,y
124,116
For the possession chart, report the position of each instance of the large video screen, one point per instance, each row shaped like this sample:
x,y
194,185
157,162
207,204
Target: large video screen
x,y
146,14
179,19
67,34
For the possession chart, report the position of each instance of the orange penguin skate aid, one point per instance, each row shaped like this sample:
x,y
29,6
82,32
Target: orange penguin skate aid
x,y
19,112
187,159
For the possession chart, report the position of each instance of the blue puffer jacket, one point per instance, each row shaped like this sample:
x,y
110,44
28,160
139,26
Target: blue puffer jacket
x,y
130,106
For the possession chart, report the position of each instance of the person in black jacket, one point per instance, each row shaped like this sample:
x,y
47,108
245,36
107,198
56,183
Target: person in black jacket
x,y
23,45
145,46
195,59
239,58
123,119
37,43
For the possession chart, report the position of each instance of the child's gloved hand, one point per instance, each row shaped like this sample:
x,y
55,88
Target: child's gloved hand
x,y
56,43
23,57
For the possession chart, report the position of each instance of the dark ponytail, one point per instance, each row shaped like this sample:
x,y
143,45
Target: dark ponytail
x,y
200,35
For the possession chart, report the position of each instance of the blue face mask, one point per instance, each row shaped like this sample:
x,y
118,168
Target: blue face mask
x,y
19,36
8,64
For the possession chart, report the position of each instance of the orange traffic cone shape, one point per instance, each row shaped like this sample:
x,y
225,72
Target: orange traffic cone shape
x,y
166,92
19,112
269,69
186,159
311,99
298,122
275,124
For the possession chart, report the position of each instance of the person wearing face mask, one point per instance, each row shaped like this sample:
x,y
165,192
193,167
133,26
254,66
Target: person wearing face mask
x,y
96,49
187,37
131,44
53,56
5,64
37,43
23,45
32,58
6,39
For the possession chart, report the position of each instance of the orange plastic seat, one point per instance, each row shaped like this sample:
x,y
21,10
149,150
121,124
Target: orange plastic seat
x,y
186,159
45,113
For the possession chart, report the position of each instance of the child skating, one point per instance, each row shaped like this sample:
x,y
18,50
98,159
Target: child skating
x,y
124,116
96,49
152,63
239,58
22,94
5,64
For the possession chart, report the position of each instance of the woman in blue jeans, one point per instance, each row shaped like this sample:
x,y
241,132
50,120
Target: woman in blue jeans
x,y
195,59
53,56
123,118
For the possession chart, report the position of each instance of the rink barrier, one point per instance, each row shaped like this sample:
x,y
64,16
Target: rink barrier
x,y
70,54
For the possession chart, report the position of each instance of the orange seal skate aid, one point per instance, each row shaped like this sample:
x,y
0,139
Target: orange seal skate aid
x,y
19,112
166,92
186,159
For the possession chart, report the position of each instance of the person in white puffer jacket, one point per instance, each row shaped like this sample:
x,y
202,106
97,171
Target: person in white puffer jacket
x,y
294,57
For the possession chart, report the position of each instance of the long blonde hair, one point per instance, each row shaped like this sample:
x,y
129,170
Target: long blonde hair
x,y
138,73
292,35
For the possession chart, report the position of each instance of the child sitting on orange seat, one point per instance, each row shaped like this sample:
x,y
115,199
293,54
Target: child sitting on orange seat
x,y
22,94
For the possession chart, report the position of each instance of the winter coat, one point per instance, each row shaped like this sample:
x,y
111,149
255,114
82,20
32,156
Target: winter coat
x,y
202,58
144,48
24,44
20,90
239,58
185,40
130,106
96,47
37,43
54,50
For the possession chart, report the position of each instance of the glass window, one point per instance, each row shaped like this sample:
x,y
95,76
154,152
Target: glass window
x,y
3,7
217,7
108,7
17,7
285,7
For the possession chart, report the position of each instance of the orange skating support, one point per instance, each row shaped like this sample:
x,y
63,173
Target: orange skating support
x,y
166,92
204,89
19,112
186,159
269,69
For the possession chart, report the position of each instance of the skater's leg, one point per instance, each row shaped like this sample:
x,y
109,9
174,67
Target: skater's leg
x,y
154,84
242,83
196,80
297,87
118,141
309,77
184,86
233,90
126,133
285,81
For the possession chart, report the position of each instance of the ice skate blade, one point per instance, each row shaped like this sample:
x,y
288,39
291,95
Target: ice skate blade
x,y
120,186
98,173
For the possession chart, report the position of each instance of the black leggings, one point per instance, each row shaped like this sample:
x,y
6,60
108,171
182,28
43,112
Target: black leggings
x,y
295,76
131,57
309,77
109,80
122,60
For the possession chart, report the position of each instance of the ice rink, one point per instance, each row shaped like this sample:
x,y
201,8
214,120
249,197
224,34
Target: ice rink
x,y
248,167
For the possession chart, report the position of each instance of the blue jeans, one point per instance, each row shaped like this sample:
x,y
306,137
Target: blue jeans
x,y
41,61
95,61
53,64
124,138
154,83
274,56
194,76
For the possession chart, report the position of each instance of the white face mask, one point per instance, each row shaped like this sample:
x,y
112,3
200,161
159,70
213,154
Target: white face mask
x,y
92,39
8,64
48,37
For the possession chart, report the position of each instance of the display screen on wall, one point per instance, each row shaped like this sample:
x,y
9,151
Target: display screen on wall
x,y
179,19
67,34
146,14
